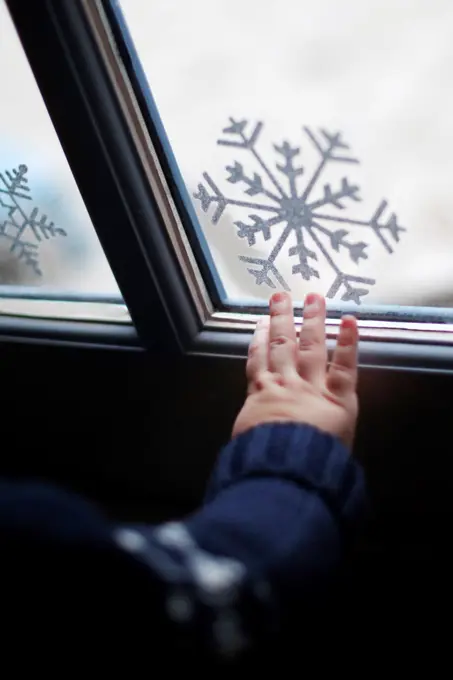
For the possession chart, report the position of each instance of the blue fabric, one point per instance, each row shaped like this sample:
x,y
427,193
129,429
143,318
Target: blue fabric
x,y
282,505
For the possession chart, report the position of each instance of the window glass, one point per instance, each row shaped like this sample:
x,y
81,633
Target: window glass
x,y
315,140
47,241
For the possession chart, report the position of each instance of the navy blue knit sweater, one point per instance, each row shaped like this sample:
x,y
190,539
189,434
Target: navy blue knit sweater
x,y
283,504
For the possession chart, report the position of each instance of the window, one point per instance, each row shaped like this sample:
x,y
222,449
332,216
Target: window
x,y
313,139
265,147
51,262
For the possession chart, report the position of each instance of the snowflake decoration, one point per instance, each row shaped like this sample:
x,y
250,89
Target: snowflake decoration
x,y
296,211
24,229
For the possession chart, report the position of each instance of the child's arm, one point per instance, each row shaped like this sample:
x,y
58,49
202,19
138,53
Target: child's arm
x,y
285,496
283,502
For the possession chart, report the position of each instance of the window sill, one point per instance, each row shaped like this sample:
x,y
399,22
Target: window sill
x,y
385,345
372,330
57,332
403,349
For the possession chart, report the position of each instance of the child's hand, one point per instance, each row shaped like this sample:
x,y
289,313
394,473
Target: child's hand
x,y
290,382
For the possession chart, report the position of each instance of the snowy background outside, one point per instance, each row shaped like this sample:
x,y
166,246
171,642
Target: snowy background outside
x,y
72,262
378,71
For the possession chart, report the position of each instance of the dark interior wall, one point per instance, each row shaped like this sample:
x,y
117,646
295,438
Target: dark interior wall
x,y
138,432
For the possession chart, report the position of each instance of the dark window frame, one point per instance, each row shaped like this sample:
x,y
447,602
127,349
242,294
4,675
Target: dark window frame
x,y
105,163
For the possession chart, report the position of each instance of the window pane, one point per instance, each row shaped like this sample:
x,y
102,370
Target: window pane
x,y
315,140
46,236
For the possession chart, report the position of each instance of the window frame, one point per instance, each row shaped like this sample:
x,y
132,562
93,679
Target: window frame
x,y
87,62
72,70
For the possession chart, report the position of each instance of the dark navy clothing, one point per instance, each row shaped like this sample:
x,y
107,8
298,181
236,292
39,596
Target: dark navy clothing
x,y
282,507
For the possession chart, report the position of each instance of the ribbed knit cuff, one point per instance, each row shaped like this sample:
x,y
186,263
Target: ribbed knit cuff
x,y
302,454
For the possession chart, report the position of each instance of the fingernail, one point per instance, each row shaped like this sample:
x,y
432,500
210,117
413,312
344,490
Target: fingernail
x,y
312,301
347,334
278,298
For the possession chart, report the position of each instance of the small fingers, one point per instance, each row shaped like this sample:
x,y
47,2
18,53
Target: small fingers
x,y
342,373
282,336
312,340
258,352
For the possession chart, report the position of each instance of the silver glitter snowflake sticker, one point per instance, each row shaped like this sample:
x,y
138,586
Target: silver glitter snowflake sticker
x,y
23,228
292,209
